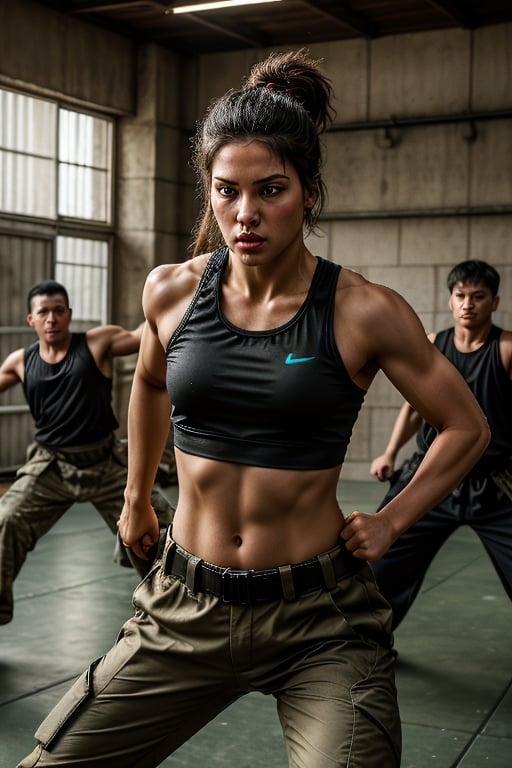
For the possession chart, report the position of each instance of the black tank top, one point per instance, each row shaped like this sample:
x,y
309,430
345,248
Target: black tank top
x,y
488,380
279,398
70,401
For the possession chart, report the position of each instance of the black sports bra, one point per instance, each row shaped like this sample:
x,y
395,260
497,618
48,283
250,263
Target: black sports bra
x,y
277,398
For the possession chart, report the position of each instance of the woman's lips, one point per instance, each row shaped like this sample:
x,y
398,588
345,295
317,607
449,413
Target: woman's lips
x,y
249,242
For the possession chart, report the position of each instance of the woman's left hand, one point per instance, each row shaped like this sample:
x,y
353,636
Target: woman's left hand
x,y
367,536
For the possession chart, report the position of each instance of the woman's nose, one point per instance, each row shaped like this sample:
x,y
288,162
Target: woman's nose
x,y
247,212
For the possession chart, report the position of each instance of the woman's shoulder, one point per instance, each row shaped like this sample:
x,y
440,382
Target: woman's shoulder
x,y
191,269
355,288
374,312
175,279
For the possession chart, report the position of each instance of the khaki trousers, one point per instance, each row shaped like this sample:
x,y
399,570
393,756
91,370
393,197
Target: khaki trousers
x,y
184,657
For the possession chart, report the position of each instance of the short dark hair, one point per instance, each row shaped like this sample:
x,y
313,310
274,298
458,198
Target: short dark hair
x,y
46,288
474,272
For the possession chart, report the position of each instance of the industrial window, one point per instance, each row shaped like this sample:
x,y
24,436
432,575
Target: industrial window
x,y
56,166
54,162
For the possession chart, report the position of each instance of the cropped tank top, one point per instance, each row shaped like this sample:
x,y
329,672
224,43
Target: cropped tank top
x,y
488,380
70,401
278,398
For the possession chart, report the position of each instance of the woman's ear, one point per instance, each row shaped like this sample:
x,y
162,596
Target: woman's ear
x,y
310,195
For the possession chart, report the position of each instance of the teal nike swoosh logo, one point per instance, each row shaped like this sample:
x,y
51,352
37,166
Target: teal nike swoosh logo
x,y
290,360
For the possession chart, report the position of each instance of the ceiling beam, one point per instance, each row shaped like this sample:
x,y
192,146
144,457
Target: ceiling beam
x,y
224,27
454,11
115,5
340,14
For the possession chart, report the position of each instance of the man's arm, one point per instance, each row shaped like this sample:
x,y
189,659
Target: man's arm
x,y
114,340
108,341
506,351
11,370
406,425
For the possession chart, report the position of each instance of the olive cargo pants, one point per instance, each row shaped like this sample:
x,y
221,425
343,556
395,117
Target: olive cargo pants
x,y
185,656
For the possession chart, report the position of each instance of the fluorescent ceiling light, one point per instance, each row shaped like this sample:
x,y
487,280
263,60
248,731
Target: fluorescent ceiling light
x,y
195,7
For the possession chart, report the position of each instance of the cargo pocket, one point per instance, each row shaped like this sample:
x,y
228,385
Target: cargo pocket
x,y
91,684
67,706
364,609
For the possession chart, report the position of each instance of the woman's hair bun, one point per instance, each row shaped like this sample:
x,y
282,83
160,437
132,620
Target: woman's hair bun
x,y
299,75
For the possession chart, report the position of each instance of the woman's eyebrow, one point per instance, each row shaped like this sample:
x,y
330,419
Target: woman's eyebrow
x,y
266,180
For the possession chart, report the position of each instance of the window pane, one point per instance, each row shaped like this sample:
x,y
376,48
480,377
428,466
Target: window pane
x,y
27,125
84,193
84,140
82,267
85,155
78,250
30,156
27,185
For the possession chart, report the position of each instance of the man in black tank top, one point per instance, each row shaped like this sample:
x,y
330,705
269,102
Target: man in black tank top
x,y
67,381
482,353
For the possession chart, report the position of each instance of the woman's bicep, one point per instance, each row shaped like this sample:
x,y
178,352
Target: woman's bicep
x,y
151,363
424,376
433,387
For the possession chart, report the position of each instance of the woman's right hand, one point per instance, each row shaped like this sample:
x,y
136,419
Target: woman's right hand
x,y
139,528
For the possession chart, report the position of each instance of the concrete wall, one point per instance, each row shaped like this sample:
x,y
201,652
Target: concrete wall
x,y
154,210
403,207
61,55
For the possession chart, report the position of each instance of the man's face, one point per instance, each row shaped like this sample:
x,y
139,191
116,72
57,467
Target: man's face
x,y
472,304
50,317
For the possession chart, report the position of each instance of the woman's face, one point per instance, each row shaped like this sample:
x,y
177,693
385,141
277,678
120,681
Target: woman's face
x,y
258,201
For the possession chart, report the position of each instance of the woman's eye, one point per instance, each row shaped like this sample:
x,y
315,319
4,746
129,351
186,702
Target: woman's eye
x,y
226,191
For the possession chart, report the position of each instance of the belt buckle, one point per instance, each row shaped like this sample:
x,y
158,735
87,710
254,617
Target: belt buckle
x,y
236,586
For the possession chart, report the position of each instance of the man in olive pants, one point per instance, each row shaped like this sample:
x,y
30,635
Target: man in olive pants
x,y
67,380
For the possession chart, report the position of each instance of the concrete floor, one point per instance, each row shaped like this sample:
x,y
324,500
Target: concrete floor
x,y
454,670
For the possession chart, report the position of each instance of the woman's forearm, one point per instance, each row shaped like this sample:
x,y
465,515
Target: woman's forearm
x,y
448,460
406,425
148,432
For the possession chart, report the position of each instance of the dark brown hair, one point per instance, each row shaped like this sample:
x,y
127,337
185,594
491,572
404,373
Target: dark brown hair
x,y
284,102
